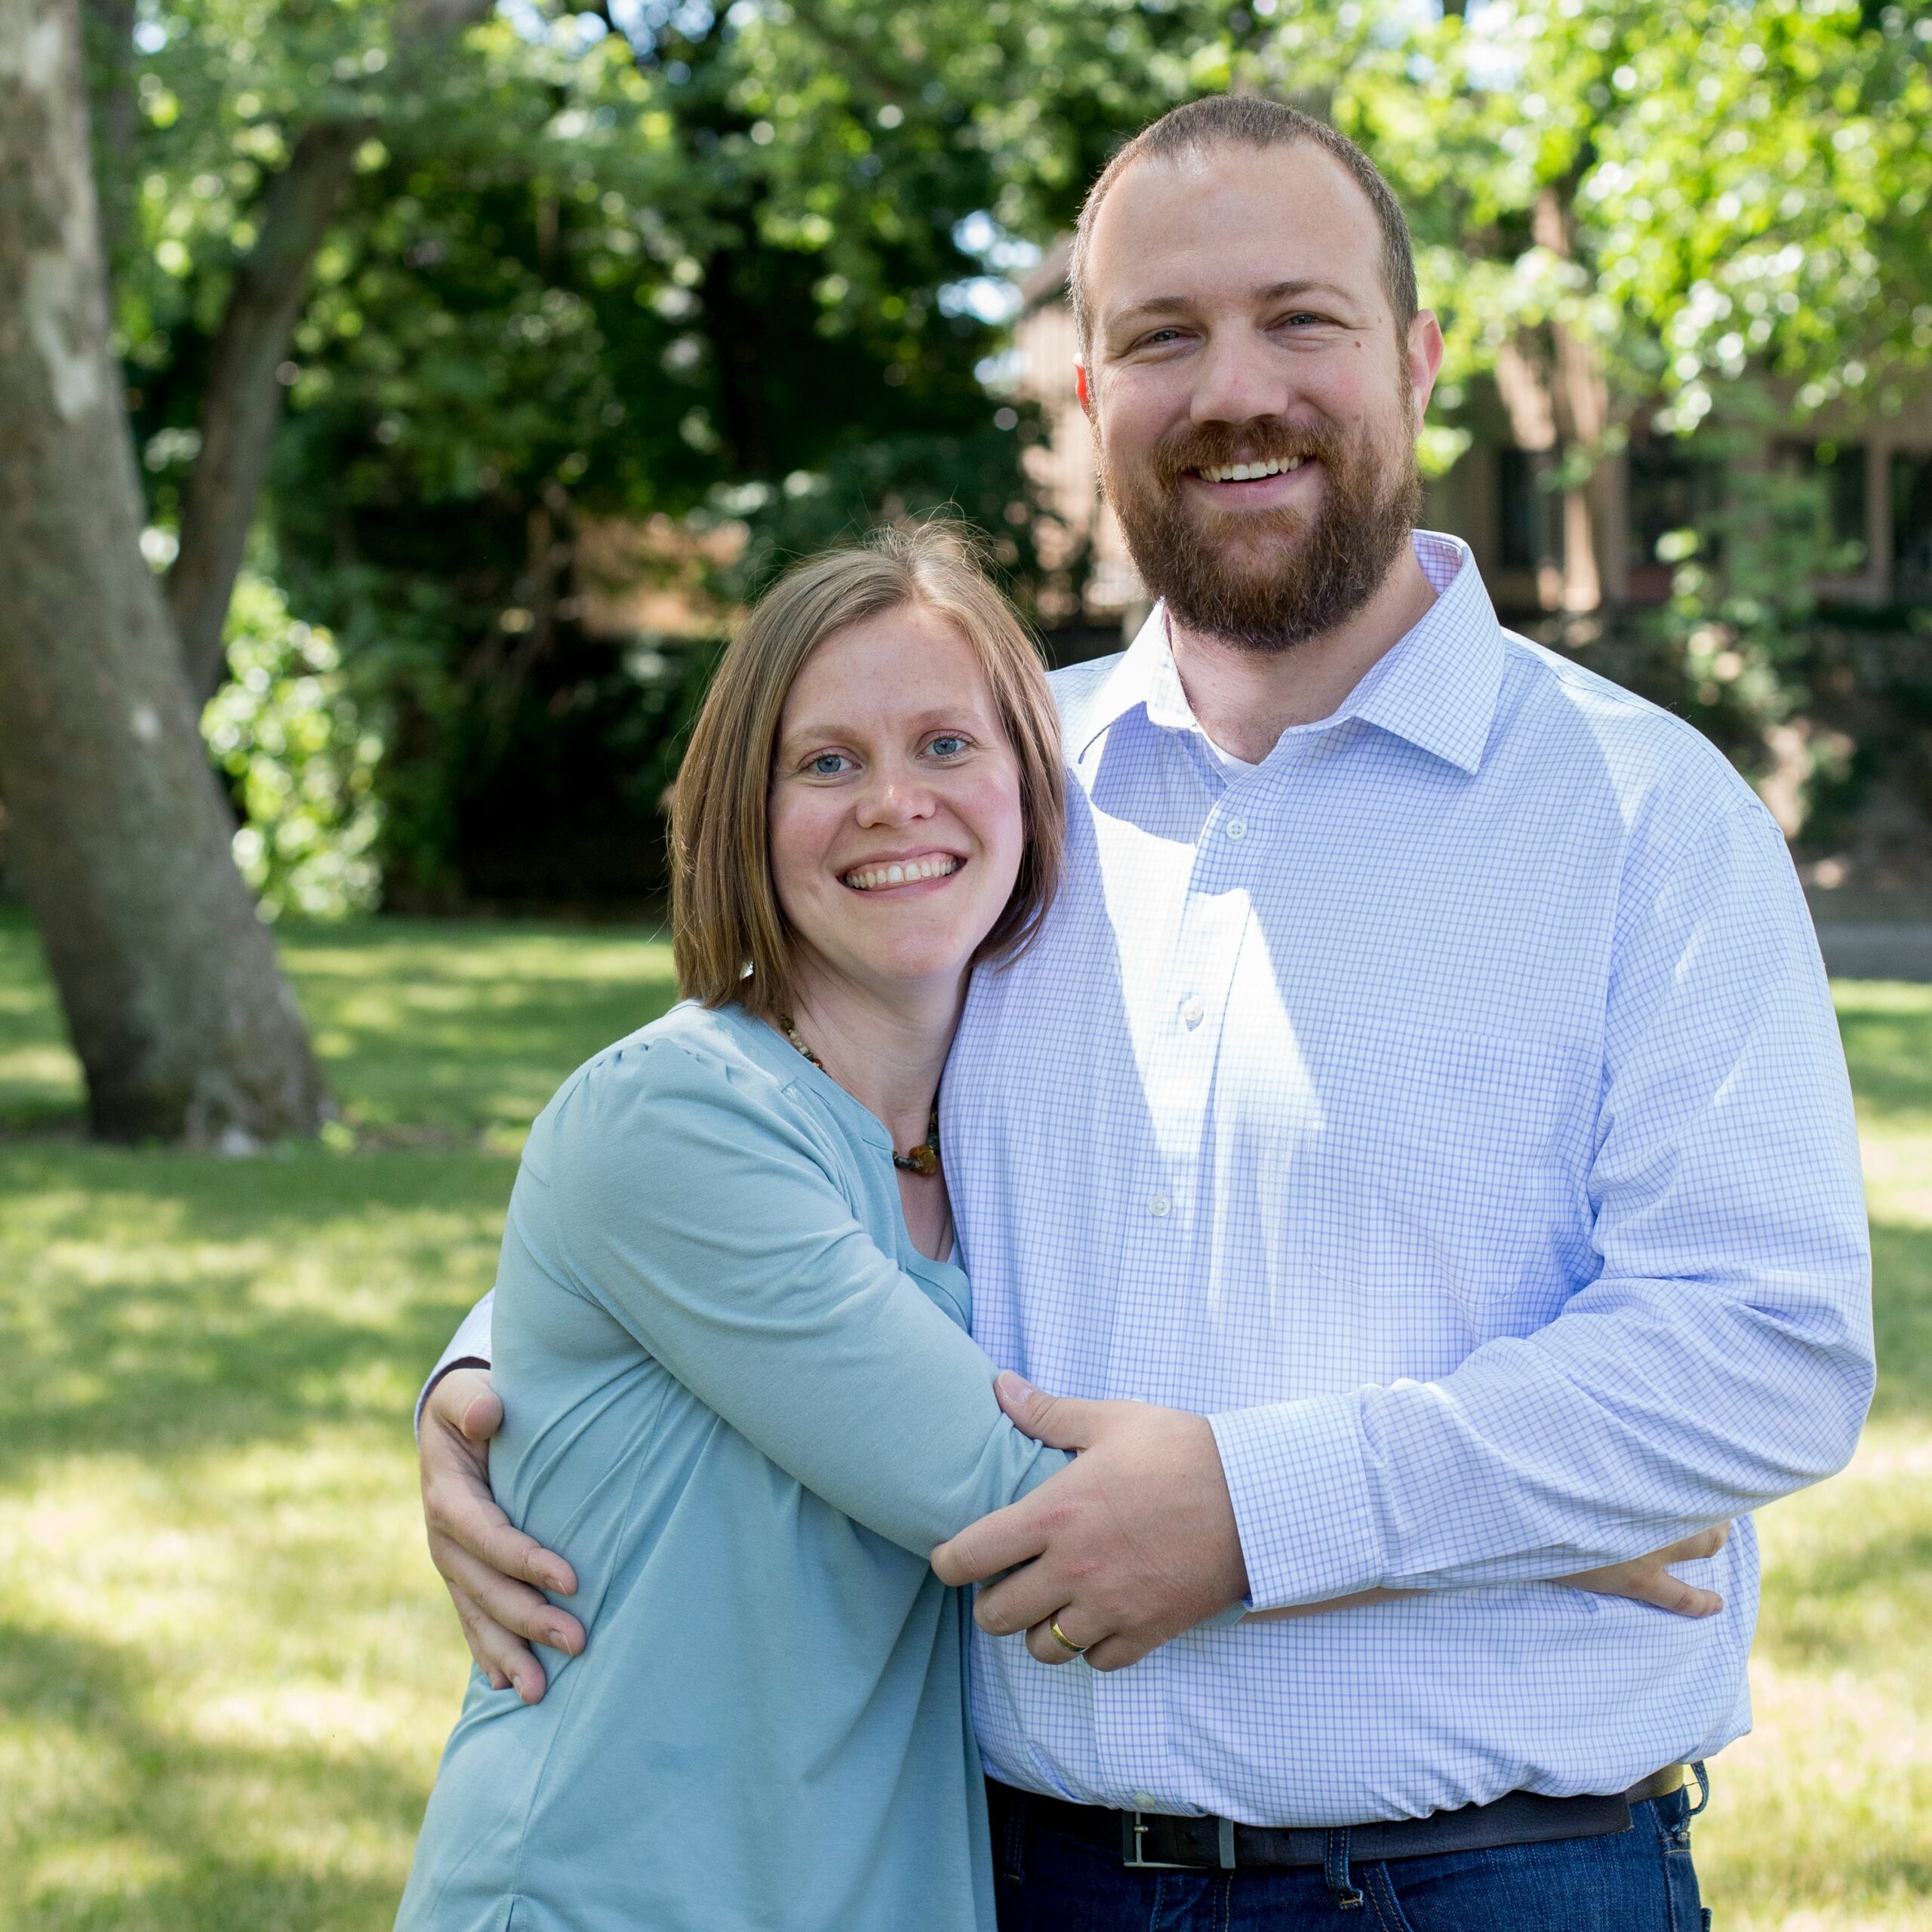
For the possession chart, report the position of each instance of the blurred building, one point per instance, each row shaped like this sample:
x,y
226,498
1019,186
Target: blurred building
x,y
1542,550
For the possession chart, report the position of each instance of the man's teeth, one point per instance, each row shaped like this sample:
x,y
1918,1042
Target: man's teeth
x,y
1245,473
870,878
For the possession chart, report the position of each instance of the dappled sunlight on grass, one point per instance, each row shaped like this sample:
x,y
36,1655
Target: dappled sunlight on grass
x,y
226,1668
215,1611
1823,1809
1822,1819
458,1028
467,1027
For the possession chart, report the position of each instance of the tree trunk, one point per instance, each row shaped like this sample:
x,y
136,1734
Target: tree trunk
x,y
1581,401
119,836
242,403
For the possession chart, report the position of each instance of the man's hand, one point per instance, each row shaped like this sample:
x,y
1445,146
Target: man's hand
x,y
1132,1544
489,1564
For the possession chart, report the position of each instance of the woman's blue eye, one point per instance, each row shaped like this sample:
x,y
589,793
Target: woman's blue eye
x,y
827,764
948,744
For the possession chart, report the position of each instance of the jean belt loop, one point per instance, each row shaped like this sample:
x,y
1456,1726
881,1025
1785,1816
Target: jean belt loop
x,y
1335,1870
1703,1778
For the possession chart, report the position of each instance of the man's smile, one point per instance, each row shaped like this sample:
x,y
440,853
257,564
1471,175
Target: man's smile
x,y
1259,483
1245,473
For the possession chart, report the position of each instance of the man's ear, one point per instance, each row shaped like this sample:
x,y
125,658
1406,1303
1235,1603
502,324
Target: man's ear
x,y
1081,389
1424,349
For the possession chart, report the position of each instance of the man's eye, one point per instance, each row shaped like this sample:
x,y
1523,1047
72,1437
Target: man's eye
x,y
827,764
948,744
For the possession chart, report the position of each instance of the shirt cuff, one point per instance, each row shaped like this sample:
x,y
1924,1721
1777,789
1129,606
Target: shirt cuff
x,y
469,1348
1297,1474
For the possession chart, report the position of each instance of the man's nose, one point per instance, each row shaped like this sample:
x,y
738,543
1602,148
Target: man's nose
x,y
1237,380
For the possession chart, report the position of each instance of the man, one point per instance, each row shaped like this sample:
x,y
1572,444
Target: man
x,y
1417,1154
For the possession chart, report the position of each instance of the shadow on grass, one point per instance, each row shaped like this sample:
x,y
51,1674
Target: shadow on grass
x,y
1888,1034
162,1303
1902,1311
1820,1600
158,1832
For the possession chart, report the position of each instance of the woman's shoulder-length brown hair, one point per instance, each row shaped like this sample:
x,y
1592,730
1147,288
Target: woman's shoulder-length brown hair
x,y
724,911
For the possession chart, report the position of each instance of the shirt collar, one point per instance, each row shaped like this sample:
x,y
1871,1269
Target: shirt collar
x,y
1436,687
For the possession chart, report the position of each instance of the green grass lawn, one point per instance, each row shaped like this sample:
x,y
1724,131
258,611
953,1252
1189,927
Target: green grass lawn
x,y
226,1668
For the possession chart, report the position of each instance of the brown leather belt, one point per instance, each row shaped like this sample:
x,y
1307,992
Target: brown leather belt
x,y
1160,1841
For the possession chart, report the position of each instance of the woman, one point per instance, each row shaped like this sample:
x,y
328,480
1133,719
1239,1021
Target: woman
x,y
740,1391
740,1388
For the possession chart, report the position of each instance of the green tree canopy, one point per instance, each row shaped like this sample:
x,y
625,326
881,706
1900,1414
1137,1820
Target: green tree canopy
x,y
745,264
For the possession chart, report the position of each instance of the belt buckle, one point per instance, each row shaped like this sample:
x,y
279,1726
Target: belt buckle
x,y
1133,1830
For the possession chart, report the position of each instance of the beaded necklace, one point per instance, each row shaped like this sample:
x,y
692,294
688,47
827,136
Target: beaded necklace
x,y
923,1159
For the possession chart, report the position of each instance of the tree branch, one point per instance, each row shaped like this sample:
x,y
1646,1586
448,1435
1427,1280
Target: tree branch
x,y
242,403
110,39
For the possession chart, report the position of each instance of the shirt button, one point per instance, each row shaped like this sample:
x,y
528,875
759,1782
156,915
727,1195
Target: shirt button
x,y
1158,1205
1192,1013
1236,830
1143,1801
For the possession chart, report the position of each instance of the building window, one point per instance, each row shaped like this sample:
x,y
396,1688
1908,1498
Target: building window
x,y
1522,511
1911,527
1840,469
1670,489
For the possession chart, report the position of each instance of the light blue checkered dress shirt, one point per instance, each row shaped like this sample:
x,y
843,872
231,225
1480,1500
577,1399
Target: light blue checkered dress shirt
x,y
1452,1109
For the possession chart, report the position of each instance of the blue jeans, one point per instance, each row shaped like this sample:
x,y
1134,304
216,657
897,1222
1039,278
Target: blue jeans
x,y
1637,1880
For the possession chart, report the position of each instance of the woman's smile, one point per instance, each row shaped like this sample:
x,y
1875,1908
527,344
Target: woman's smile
x,y
896,874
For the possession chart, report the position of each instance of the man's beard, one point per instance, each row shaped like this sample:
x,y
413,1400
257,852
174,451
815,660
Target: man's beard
x,y
1303,579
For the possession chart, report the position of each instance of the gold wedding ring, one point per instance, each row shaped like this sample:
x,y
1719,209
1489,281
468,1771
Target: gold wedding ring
x,y
1061,1637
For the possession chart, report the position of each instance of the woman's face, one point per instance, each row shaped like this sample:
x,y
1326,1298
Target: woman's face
x,y
896,827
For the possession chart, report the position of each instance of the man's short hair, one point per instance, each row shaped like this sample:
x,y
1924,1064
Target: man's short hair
x,y
1225,120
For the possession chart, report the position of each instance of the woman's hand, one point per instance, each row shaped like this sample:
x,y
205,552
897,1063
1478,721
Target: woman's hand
x,y
1647,1579
1644,1579
496,1574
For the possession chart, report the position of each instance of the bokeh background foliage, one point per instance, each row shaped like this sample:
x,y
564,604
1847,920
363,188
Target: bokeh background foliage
x,y
226,1667
740,274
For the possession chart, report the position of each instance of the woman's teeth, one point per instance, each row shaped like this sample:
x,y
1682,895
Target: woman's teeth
x,y
1247,472
870,878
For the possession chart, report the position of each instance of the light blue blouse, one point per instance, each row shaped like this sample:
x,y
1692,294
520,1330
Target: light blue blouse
x,y
747,1408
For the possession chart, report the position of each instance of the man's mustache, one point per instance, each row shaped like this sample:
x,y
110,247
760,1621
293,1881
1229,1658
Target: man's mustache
x,y
1213,446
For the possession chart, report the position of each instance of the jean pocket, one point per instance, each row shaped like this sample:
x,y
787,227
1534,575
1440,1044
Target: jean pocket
x,y
1379,1888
